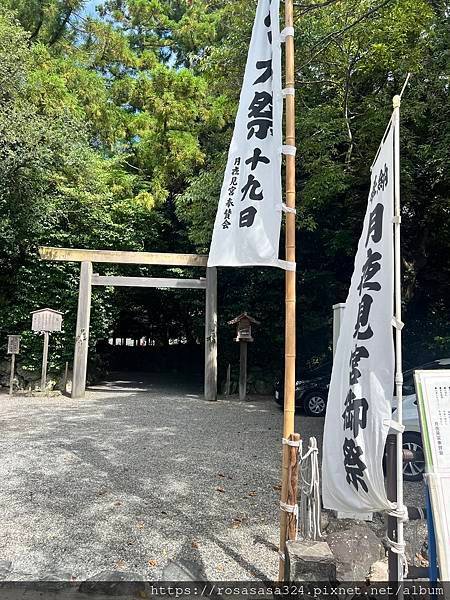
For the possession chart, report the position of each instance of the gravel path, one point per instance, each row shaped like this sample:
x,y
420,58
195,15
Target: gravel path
x,y
137,475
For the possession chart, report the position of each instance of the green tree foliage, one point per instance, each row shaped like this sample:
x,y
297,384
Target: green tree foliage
x,y
114,130
351,59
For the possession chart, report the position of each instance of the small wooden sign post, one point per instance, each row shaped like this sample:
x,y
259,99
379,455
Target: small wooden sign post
x,y
243,336
13,349
46,320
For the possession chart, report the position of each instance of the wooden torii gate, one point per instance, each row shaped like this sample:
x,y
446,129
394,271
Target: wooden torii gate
x,y
88,279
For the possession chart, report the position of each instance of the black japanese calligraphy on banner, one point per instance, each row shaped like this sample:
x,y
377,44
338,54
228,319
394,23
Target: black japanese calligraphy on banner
x,y
248,221
362,381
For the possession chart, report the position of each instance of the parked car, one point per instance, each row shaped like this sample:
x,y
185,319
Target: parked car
x,y
311,392
412,438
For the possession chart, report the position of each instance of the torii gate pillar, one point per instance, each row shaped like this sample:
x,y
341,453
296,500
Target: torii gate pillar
x,y
82,331
211,334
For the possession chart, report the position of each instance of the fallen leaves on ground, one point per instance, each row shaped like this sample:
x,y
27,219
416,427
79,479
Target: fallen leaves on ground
x,y
120,564
152,562
277,487
220,489
253,493
194,545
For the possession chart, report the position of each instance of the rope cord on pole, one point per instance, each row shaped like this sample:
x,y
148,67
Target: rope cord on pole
x,y
310,492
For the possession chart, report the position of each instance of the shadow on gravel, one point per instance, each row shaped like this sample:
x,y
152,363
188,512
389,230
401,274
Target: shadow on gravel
x,y
110,476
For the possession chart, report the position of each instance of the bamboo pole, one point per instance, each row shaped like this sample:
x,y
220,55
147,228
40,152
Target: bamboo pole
x,y
289,373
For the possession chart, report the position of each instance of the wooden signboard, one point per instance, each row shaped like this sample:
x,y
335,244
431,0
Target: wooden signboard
x,y
13,349
433,399
14,344
46,319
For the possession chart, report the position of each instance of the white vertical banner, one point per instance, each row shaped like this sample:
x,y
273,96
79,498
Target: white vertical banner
x,y
362,380
247,226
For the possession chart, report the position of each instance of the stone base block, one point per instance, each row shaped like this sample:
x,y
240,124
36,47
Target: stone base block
x,y
307,560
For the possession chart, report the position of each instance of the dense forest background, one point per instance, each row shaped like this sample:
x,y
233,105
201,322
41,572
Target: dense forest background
x,y
115,121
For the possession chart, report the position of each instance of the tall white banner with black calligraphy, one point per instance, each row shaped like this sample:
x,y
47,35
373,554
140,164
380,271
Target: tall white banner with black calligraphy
x,y
362,381
247,227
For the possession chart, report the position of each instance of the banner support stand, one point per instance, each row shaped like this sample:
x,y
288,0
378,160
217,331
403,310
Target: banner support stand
x,y
290,299
399,576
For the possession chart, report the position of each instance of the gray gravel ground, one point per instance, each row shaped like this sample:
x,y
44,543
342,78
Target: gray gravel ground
x,y
139,474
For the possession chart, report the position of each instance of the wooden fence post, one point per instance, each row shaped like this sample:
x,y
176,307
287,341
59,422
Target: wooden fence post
x,y
82,332
211,334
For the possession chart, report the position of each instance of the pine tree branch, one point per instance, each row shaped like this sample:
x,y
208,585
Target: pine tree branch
x,y
331,37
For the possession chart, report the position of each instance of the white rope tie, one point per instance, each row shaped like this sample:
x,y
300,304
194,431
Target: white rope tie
x,y
287,265
292,509
288,209
399,512
285,32
397,323
310,491
289,91
293,443
287,149
400,549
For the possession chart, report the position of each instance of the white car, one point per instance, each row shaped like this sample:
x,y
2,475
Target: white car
x,y
412,438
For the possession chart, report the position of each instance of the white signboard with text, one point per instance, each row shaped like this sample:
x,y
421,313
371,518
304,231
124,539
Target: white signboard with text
x,y
433,400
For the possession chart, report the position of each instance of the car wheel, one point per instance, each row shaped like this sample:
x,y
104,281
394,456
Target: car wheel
x,y
315,404
413,470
